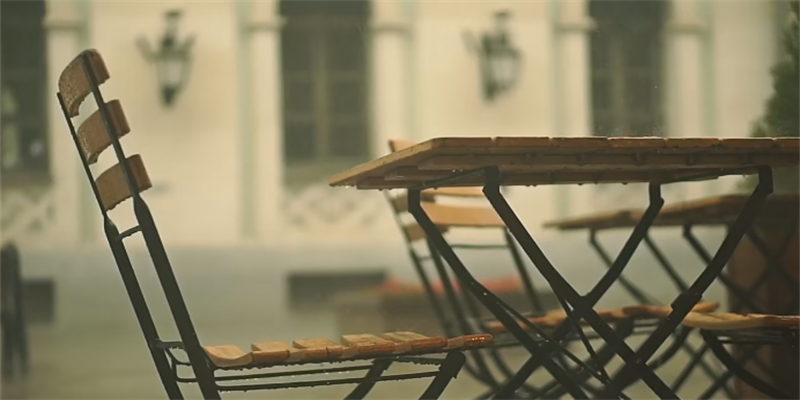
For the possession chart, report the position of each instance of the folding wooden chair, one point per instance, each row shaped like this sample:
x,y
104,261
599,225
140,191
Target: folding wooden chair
x,y
755,330
219,369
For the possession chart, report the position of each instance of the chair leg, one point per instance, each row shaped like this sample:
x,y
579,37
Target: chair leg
x,y
447,372
739,370
363,388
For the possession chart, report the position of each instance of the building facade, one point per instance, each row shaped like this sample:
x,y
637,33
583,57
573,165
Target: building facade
x,y
281,95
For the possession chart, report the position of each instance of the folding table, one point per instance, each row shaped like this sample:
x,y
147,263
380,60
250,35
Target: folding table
x,y
492,162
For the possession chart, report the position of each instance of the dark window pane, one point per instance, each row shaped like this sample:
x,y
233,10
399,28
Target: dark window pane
x,y
296,50
626,52
23,88
293,8
600,94
349,140
346,98
299,142
346,49
641,95
299,96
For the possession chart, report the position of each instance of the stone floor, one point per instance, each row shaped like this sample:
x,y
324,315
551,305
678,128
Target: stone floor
x,y
114,365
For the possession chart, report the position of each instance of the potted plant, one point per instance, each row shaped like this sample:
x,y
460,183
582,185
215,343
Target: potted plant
x,y
781,119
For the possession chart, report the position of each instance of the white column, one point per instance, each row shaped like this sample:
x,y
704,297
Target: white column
x,y
684,82
573,93
388,63
64,29
262,38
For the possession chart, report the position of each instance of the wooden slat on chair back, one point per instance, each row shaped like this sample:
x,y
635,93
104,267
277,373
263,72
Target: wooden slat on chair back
x,y
93,135
101,130
74,84
114,188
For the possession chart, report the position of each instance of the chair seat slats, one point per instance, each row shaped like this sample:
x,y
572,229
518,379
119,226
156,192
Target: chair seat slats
x,y
557,317
228,356
731,321
360,346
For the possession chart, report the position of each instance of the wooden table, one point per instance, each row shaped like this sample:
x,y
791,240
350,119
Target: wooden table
x,y
492,162
769,252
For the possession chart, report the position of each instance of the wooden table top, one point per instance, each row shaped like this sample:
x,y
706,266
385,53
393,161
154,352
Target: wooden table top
x,y
573,160
710,211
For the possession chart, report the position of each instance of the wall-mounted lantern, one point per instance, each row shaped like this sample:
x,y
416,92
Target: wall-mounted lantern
x,y
499,60
172,60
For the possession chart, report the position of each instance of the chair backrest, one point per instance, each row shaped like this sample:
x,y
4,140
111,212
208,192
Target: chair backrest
x,y
127,179
99,131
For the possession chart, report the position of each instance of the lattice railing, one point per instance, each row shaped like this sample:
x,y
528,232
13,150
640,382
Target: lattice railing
x,y
27,214
320,208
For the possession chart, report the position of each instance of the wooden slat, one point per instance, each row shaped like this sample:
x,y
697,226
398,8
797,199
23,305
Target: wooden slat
x,y
468,342
267,350
462,216
228,356
708,211
368,345
533,179
600,162
607,220
94,137
557,317
647,310
112,185
416,341
352,346
415,232
73,84
722,209
730,321
569,160
400,144
454,192
271,352
320,346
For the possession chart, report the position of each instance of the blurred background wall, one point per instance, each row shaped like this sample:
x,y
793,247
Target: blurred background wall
x,y
282,94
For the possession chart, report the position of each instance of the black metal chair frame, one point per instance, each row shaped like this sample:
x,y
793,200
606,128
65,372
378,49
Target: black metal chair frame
x,y
635,361
767,336
744,295
205,373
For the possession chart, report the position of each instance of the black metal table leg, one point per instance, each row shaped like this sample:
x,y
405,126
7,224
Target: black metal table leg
x,y
602,286
684,303
583,307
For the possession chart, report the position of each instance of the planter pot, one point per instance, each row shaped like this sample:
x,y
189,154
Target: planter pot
x,y
773,297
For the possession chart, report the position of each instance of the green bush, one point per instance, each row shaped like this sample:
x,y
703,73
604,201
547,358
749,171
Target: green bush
x,y
782,115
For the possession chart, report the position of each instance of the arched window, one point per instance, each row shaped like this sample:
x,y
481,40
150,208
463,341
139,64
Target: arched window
x,y
627,53
323,48
24,153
